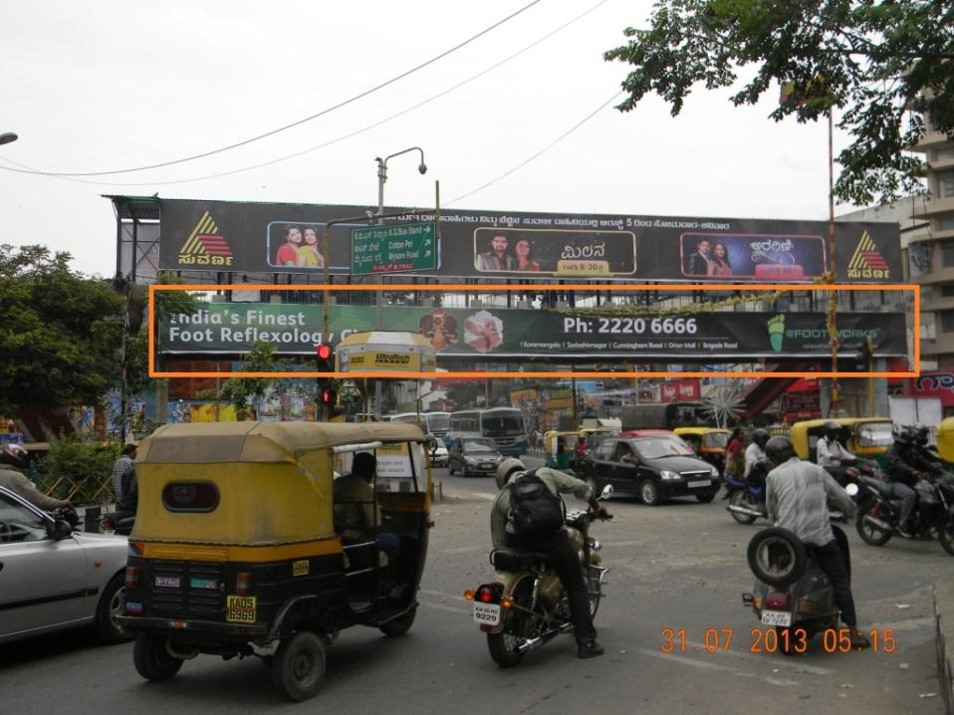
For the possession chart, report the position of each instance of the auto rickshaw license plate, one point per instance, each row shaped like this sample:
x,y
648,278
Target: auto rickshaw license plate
x,y
487,614
776,618
240,609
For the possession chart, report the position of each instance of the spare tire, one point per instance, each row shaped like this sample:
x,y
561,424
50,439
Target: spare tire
x,y
777,557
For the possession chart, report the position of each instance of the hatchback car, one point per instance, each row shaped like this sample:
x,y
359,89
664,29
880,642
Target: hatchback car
x,y
52,578
653,465
473,456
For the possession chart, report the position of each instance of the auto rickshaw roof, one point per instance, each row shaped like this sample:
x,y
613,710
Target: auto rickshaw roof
x,y
844,421
700,430
209,442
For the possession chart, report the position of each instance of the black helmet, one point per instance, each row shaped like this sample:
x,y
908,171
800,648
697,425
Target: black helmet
x,y
921,433
904,436
832,430
761,437
15,455
779,449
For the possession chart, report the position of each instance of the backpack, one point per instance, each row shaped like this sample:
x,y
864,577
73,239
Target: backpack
x,y
536,511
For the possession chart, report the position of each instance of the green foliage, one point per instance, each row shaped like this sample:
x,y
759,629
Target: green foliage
x,y
78,469
243,391
61,333
882,64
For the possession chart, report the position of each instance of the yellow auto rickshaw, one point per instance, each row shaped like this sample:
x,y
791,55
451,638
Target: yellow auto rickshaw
x,y
707,442
235,550
866,437
945,439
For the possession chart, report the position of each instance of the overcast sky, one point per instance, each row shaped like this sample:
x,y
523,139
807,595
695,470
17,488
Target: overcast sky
x,y
121,84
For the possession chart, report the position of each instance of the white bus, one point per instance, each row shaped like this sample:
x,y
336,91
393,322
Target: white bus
x,y
504,425
435,424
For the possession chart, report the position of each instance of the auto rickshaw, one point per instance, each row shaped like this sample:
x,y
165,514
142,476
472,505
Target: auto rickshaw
x,y
945,439
235,552
707,442
560,448
866,437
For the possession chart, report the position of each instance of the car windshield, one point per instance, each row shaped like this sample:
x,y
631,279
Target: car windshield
x,y
663,446
715,440
479,445
21,523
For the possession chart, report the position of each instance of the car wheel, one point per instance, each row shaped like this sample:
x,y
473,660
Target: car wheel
x,y
705,498
463,471
152,658
649,492
299,666
109,608
777,557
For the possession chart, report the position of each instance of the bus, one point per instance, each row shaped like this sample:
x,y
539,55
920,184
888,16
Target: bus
x,y
435,424
504,425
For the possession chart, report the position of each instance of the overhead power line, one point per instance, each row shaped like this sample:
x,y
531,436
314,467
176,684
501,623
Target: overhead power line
x,y
297,123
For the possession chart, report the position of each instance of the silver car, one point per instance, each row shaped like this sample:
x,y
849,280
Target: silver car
x,y
53,578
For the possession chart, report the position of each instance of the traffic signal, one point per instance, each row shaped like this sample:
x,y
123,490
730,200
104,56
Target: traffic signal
x,y
865,358
326,357
329,397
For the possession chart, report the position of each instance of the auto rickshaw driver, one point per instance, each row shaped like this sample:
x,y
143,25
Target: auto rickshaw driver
x,y
357,513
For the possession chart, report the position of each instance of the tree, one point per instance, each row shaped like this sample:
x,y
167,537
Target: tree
x,y
243,391
885,64
61,332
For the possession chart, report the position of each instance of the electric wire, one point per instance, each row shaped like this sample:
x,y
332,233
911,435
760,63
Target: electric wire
x,y
336,140
299,122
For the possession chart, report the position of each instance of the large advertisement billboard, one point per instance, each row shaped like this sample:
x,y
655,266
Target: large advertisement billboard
x,y
498,333
290,238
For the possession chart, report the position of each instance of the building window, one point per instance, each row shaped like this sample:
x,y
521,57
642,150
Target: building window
x,y
947,253
945,223
944,153
947,321
946,292
945,184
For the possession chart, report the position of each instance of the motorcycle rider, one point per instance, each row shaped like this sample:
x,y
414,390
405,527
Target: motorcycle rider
x,y
903,472
797,497
561,554
13,460
832,455
756,461
927,452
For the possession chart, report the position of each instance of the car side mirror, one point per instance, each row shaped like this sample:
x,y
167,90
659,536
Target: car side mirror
x,y
607,492
59,530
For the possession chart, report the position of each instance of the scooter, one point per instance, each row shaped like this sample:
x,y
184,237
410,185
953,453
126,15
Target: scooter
x,y
525,605
792,595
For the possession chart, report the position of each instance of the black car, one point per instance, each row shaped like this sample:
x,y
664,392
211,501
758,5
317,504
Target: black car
x,y
653,465
472,456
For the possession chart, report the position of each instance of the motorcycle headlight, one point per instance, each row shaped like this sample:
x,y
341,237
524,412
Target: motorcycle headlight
x,y
669,476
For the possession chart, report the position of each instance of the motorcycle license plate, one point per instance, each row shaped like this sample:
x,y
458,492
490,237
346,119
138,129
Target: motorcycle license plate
x,y
776,618
487,614
703,483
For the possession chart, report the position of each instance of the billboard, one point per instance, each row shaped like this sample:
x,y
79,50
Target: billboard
x,y
287,238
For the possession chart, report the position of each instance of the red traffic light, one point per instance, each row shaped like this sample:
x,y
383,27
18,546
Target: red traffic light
x,y
324,351
329,396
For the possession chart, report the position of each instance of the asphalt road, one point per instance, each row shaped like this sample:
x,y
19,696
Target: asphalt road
x,y
679,566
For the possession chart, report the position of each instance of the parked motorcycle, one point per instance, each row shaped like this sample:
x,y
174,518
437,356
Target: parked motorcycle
x,y
525,605
792,595
117,522
878,515
746,500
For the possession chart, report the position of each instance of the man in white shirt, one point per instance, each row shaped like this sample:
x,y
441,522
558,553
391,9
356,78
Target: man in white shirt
x,y
830,454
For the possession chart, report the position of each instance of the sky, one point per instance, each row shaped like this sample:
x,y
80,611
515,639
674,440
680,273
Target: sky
x,y
519,118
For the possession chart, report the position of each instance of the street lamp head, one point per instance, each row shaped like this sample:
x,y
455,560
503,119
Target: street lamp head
x,y
422,168
8,137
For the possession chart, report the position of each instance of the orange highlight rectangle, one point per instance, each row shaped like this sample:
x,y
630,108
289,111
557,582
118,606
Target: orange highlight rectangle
x,y
557,375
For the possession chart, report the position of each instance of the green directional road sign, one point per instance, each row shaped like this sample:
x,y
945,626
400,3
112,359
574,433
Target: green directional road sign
x,y
400,248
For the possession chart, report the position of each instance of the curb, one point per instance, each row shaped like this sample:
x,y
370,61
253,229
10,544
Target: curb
x,y
943,633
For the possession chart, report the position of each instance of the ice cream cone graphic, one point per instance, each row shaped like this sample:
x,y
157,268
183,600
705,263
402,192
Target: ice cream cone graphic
x,y
776,330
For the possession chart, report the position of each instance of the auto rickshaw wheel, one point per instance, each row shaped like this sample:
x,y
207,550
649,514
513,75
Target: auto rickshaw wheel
x,y
299,666
152,659
400,625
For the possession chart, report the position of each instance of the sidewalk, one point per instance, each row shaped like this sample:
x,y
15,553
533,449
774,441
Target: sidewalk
x,y
944,629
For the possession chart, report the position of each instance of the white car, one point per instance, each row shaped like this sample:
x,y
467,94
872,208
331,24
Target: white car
x,y
439,455
52,578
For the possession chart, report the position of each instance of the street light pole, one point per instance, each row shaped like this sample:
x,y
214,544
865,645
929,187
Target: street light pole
x,y
382,178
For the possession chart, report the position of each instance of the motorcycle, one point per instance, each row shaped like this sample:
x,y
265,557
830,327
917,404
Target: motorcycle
x,y
117,522
792,595
878,515
525,605
746,500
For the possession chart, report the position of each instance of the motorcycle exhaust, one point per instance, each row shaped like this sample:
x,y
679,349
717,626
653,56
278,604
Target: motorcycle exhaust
x,y
534,643
877,523
745,510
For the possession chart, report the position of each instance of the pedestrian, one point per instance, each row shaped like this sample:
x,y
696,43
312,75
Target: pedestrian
x,y
122,467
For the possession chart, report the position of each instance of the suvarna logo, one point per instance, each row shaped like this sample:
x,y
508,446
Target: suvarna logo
x,y
204,246
867,261
776,331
